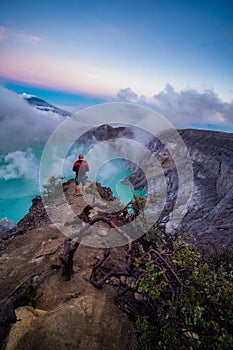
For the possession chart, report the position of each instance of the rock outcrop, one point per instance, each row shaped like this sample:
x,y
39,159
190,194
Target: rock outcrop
x,y
37,217
66,315
86,322
105,132
6,225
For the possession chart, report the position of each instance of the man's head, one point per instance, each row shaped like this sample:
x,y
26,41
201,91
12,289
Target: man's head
x,y
80,156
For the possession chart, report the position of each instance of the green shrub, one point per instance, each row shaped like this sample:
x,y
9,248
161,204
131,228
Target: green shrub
x,y
189,302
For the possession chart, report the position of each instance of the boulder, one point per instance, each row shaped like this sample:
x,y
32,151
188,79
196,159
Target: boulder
x,y
82,323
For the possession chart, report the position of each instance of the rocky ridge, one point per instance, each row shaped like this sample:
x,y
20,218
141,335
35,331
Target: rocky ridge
x,y
67,315
105,132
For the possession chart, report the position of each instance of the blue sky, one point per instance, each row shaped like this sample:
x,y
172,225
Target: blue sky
x,y
62,98
88,51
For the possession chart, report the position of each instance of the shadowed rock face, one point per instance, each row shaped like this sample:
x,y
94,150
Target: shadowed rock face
x,y
210,211
211,207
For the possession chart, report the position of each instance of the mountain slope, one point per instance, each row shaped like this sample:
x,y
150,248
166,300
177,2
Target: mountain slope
x,y
44,106
210,211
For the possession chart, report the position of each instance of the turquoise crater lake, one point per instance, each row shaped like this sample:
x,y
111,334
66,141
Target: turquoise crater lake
x,y
17,191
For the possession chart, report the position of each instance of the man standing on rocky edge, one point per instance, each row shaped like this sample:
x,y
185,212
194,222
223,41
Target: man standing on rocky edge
x,y
80,167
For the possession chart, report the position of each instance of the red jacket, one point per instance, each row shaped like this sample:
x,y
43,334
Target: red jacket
x,y
80,167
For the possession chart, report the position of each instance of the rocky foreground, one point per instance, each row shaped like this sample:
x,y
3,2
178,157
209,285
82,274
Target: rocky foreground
x,y
63,314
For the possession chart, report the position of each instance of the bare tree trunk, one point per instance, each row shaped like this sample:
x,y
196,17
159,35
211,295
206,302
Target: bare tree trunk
x,y
67,259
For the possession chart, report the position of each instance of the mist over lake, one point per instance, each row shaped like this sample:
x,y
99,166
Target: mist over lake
x,y
19,179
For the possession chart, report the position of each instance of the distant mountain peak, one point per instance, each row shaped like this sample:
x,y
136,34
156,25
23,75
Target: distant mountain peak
x,y
26,96
44,106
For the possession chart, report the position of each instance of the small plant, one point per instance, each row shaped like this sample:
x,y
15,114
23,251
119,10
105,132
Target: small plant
x,y
99,191
138,204
53,187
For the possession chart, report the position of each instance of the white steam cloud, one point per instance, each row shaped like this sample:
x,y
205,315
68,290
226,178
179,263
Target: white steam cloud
x,y
21,125
19,164
187,108
127,95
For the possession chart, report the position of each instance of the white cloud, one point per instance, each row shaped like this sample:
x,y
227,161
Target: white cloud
x,y
187,108
6,33
127,95
21,125
71,109
19,164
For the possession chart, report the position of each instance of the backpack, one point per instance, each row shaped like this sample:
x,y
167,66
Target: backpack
x,y
80,167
